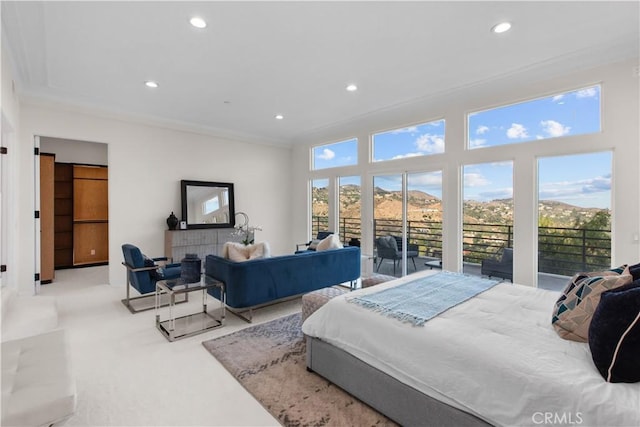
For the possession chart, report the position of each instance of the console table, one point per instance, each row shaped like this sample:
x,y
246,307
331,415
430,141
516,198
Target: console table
x,y
203,242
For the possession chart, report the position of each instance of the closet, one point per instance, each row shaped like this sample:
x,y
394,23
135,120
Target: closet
x,y
90,215
81,215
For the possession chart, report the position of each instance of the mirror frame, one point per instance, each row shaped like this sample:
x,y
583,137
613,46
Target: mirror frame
x,y
185,184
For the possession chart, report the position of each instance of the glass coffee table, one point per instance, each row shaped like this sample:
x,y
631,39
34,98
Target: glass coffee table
x,y
175,328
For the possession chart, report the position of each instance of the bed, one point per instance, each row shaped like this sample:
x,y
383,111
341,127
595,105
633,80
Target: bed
x,y
491,360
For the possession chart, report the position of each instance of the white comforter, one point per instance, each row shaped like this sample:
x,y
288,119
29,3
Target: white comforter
x,y
495,356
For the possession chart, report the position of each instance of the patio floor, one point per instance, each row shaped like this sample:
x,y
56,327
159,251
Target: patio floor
x,y
545,281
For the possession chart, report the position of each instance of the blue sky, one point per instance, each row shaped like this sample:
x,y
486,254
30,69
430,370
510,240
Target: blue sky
x,y
342,153
412,141
581,180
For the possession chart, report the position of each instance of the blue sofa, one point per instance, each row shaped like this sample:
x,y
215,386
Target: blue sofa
x,y
260,281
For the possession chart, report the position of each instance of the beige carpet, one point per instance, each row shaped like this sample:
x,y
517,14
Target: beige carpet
x,y
269,361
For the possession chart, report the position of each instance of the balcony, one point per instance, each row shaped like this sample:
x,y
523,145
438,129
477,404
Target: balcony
x,y
562,251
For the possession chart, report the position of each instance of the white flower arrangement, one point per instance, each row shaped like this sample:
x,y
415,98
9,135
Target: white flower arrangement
x,y
245,230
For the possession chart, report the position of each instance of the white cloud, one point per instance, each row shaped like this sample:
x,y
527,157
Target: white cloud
x,y
410,129
553,128
404,156
558,98
482,130
477,142
473,179
587,93
517,131
431,144
327,154
431,179
575,189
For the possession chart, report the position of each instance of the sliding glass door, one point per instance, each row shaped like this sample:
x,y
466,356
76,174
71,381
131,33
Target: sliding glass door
x,y
407,222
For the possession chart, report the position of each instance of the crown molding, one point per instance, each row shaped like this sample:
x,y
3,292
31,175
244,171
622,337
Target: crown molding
x,y
30,99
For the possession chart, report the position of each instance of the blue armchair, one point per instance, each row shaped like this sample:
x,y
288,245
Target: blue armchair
x,y
143,273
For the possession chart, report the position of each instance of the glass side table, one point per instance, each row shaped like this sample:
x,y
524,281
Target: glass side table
x,y
175,328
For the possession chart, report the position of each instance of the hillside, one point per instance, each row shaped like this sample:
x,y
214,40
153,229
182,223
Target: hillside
x,y
426,207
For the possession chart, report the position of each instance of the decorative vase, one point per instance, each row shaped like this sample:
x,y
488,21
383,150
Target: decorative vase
x,y
172,221
190,267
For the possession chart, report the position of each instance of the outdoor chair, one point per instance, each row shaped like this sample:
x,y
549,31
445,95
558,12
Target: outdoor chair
x,y
390,247
499,267
143,273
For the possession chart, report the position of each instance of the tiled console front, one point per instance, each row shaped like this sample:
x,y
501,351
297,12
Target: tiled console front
x,y
178,243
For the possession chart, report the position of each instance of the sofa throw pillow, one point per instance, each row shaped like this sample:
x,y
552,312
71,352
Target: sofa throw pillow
x,y
332,241
238,252
314,244
614,334
574,309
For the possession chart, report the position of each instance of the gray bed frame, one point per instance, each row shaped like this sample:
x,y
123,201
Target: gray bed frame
x,y
401,403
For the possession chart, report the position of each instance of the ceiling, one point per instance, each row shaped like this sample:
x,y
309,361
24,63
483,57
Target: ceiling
x,y
255,60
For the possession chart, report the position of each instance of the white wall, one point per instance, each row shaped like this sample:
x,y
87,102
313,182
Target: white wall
x,y
10,121
620,133
146,164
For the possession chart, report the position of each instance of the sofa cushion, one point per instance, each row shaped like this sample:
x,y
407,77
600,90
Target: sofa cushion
x,y
332,241
614,334
574,309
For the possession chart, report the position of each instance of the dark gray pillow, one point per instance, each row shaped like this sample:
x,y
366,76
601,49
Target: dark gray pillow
x,y
158,273
614,334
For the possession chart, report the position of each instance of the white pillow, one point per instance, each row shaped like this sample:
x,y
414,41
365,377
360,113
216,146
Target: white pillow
x,y
332,241
238,252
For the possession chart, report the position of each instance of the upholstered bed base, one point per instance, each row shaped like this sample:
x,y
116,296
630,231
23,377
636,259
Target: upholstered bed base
x,y
403,404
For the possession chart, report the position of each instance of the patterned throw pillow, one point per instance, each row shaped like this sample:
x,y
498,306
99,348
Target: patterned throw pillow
x,y
614,334
575,307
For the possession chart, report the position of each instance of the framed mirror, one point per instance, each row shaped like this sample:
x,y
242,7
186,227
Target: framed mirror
x,y
207,204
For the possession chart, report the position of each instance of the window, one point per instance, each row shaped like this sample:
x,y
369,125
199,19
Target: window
x,y
350,226
487,211
210,205
412,141
574,213
319,206
569,113
343,153
422,222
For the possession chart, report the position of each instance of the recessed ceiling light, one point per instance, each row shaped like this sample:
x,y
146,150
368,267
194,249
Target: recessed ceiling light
x,y
151,83
352,88
198,22
501,27
279,117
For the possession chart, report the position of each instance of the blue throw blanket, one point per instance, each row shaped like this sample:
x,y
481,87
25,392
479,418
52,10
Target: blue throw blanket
x,y
424,298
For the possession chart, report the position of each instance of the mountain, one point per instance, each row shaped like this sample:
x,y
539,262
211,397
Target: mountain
x,y
427,207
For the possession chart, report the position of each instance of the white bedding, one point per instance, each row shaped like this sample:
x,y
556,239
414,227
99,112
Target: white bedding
x,y
495,356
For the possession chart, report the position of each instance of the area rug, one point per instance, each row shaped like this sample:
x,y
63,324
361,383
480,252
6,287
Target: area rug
x,y
269,360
